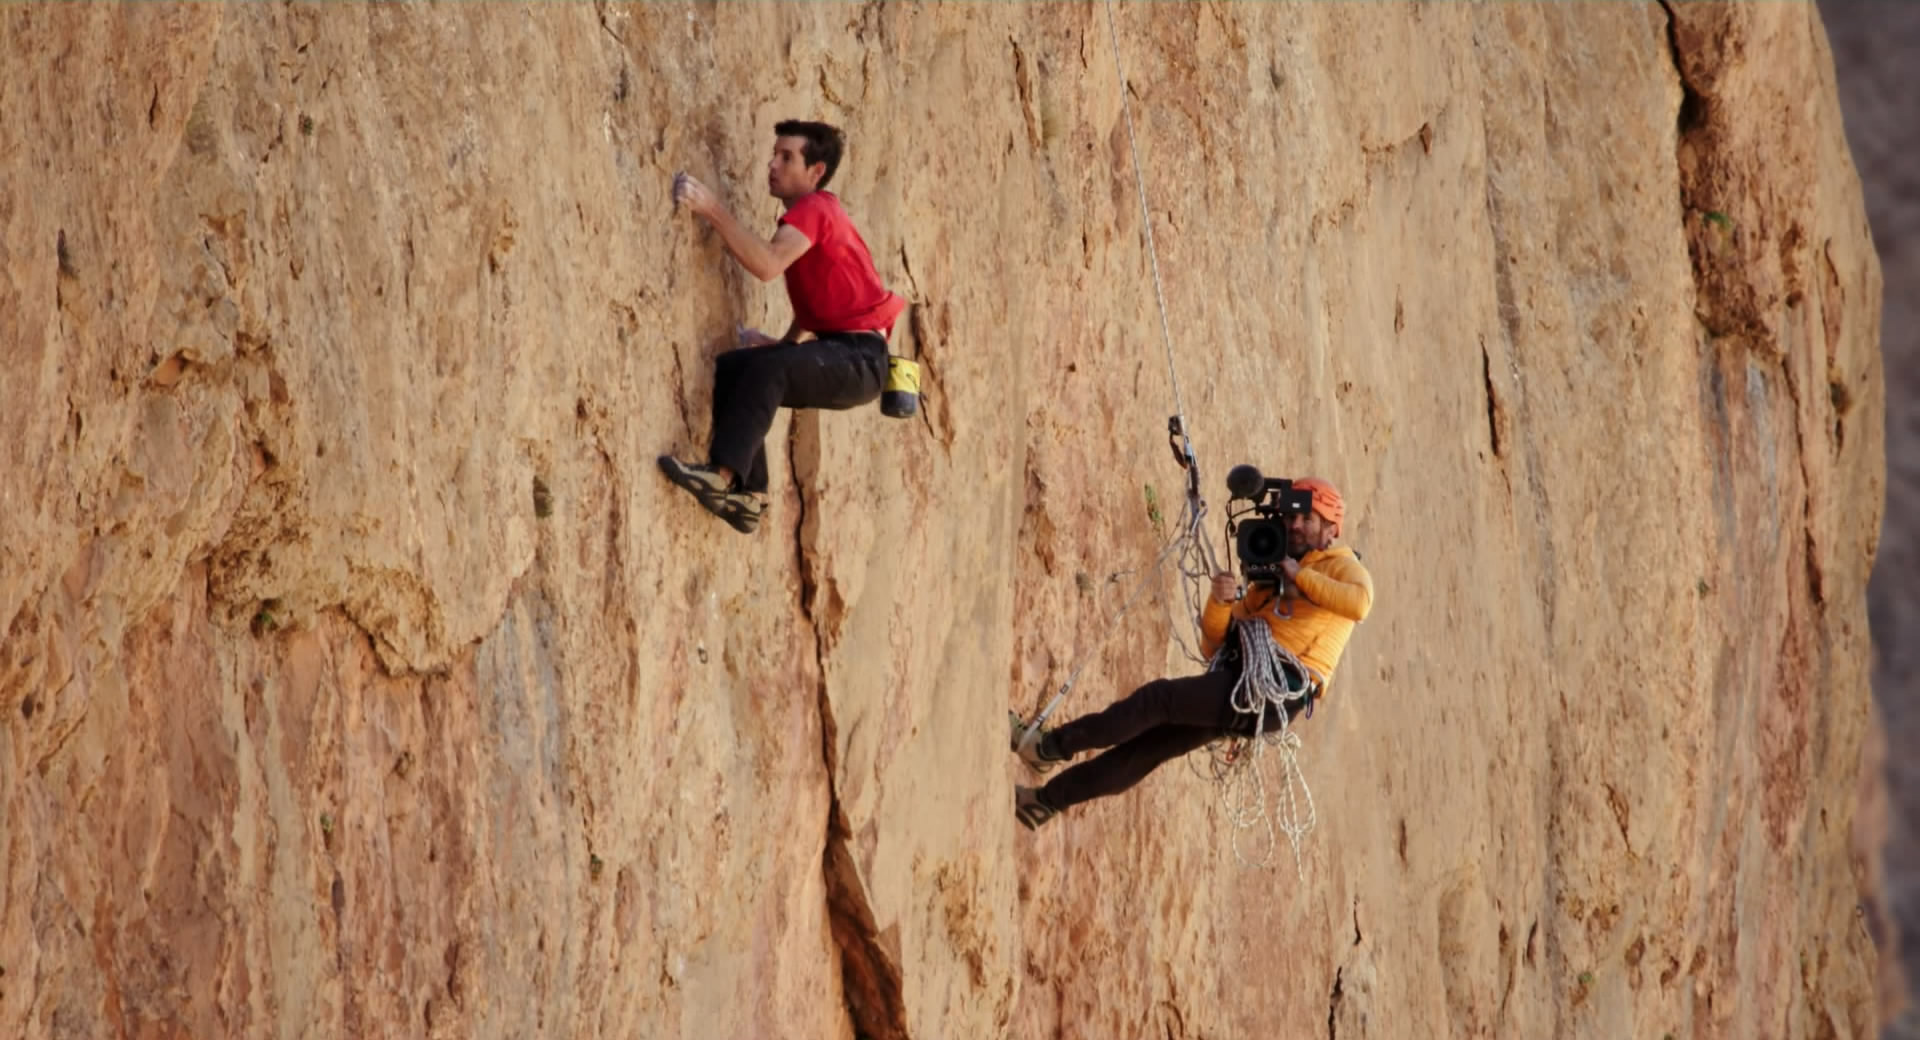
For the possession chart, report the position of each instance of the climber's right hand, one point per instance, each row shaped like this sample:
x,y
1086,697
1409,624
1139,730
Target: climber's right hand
x,y
1226,587
689,192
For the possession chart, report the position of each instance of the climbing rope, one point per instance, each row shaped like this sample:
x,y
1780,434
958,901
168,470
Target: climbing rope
x,y
1146,216
1187,547
1270,677
1196,559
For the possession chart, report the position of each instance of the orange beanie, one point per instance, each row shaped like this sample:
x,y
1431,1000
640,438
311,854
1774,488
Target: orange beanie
x,y
1326,501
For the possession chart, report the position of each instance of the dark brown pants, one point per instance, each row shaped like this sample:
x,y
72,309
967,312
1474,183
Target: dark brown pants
x,y
1158,722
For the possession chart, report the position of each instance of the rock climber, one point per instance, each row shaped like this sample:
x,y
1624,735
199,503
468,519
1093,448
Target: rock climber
x,y
1326,593
837,297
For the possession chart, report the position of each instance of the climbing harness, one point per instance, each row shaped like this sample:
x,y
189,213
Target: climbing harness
x,y
1271,677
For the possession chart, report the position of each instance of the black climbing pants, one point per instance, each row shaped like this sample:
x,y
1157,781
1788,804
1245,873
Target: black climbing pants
x,y
1160,721
839,370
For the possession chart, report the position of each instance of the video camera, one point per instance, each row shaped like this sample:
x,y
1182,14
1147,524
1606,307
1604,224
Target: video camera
x,y
1261,541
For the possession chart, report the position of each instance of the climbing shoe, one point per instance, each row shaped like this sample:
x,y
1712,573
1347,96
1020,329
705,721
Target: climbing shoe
x,y
1030,808
704,482
1035,748
741,510
715,493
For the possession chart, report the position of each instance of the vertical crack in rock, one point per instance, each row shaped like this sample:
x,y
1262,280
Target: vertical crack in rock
x,y
1333,1006
1816,581
1520,408
1689,124
1493,403
869,974
1727,307
1692,105
1338,995
1720,249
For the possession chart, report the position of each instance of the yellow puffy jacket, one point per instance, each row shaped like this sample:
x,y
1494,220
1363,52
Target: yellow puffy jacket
x,y
1335,593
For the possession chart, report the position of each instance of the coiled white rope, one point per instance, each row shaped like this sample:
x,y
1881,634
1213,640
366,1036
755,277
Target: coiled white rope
x,y
1270,676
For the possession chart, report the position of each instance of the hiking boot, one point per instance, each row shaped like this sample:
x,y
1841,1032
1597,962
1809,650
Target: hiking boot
x,y
1030,809
1034,748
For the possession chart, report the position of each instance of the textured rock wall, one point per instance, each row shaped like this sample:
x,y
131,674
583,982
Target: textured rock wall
x,y
361,677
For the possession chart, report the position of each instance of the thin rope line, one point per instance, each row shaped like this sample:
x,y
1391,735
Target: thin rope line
x,y
1146,215
1189,547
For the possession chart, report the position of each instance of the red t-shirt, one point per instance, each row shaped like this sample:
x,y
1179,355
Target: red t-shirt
x,y
833,286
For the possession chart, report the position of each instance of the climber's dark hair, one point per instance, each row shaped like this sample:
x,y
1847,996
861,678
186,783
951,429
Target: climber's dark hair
x,y
824,143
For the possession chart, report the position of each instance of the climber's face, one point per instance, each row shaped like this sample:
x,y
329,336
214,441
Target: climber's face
x,y
1307,532
788,175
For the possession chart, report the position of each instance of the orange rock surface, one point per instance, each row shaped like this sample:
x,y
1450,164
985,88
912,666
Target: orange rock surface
x,y
360,676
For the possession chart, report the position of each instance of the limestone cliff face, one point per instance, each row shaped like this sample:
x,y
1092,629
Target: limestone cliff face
x,y
360,677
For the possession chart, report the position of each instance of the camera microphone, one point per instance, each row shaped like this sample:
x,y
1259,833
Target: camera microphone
x,y
1245,481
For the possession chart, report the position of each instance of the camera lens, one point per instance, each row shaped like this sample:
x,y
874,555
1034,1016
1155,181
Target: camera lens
x,y
1264,543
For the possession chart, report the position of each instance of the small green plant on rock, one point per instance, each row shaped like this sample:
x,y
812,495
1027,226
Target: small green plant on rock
x,y
267,619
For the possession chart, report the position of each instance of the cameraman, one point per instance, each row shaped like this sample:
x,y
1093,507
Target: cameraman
x,y
1327,592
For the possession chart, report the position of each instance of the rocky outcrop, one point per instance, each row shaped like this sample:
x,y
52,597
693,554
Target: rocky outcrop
x,y
361,677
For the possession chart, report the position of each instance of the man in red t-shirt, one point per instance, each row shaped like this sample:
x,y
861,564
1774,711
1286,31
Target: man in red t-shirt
x,y
836,296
